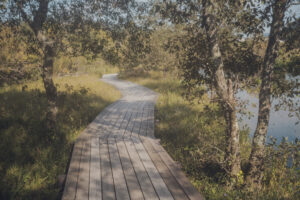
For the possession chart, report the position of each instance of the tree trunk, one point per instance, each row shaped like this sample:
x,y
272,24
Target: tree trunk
x,y
232,139
51,92
256,160
232,157
225,92
47,67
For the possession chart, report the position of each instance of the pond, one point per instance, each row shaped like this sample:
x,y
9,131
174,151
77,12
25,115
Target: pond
x,y
280,125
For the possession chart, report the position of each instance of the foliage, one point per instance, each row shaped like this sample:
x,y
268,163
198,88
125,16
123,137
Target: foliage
x,y
29,163
160,56
134,46
16,63
193,134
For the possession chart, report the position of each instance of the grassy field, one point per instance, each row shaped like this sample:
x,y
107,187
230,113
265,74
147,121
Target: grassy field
x,y
29,164
81,65
193,134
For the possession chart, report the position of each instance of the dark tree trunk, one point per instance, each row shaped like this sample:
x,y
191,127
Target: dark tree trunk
x,y
47,67
225,92
255,174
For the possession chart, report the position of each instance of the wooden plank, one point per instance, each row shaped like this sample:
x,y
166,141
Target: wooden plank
x,y
144,119
100,121
142,176
109,125
106,110
114,130
73,171
133,185
118,176
84,172
169,179
127,132
108,190
175,189
158,183
137,125
150,127
124,125
186,185
136,168
95,171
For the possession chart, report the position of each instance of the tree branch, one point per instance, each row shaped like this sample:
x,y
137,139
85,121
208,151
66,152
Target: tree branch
x,y
23,13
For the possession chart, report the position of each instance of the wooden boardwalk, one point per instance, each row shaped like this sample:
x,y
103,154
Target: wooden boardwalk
x,y
118,157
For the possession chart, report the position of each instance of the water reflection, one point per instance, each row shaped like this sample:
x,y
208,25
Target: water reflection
x,y
281,125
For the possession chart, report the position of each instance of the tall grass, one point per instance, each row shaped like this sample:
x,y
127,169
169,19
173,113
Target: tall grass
x,y
29,163
193,133
80,65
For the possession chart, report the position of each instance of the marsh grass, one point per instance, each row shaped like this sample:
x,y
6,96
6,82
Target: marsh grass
x,y
193,133
80,65
30,162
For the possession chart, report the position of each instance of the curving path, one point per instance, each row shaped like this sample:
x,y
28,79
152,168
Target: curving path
x,y
118,157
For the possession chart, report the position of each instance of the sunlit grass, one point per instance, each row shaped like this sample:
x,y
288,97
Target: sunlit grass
x,y
29,163
80,65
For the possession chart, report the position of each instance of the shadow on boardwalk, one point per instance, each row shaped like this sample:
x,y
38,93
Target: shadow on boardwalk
x,y
118,157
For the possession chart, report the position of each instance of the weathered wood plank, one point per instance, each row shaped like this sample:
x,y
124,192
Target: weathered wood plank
x,y
84,172
123,160
145,120
130,176
142,176
117,171
124,125
72,177
137,125
114,130
158,183
128,131
108,189
172,184
150,127
95,171
110,124
101,121
188,188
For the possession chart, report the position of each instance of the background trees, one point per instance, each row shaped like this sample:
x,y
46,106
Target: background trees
x,y
49,29
212,48
223,49
216,55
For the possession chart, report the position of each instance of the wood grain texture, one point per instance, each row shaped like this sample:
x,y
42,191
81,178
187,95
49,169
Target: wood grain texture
x,y
71,181
133,185
108,189
84,170
117,170
95,171
118,157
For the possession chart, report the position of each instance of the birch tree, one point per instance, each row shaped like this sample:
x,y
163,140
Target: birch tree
x,y
256,160
216,55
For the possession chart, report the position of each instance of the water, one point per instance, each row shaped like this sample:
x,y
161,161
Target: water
x,y
280,125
